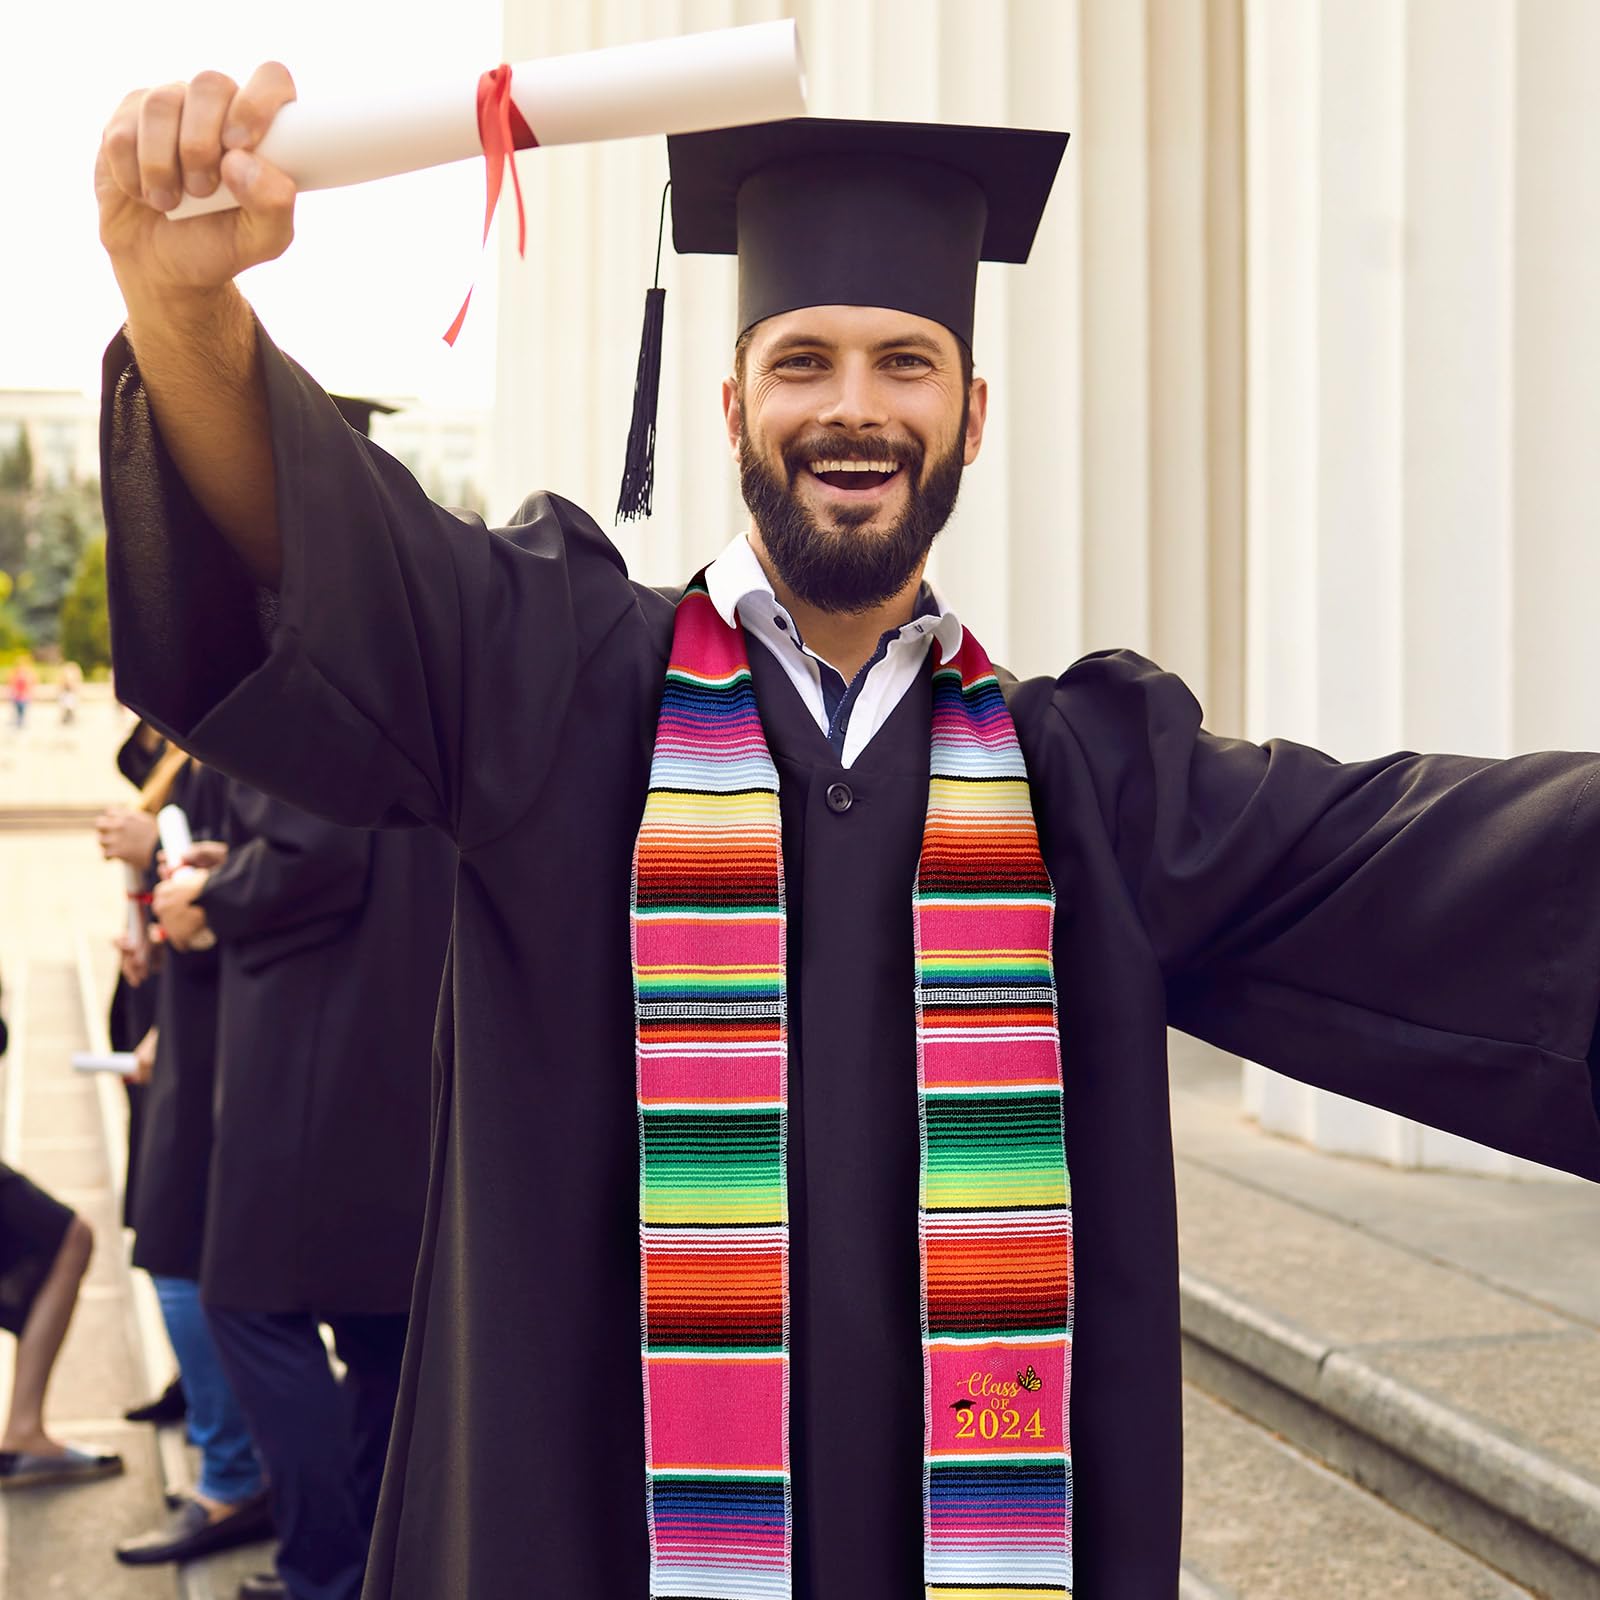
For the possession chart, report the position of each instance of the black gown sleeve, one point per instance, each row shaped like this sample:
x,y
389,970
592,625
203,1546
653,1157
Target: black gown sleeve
x,y
413,666
1421,932
292,880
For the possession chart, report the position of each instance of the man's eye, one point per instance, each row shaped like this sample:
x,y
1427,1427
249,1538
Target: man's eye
x,y
907,362
799,363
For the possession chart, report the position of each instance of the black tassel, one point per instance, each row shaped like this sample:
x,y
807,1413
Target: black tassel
x,y
639,464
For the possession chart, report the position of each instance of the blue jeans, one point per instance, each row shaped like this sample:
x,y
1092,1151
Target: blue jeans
x,y
229,1470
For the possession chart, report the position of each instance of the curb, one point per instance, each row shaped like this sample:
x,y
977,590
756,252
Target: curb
x,y
1533,1518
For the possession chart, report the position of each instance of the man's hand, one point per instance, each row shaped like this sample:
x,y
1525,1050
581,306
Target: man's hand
x,y
126,835
144,1058
191,331
134,960
207,853
182,921
188,138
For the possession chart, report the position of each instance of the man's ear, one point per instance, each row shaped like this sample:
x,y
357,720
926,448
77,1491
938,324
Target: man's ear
x,y
732,415
977,415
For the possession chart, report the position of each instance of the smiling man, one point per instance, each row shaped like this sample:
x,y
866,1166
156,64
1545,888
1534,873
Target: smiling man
x,y
799,955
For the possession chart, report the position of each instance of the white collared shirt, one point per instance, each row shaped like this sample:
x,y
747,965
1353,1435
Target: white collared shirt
x,y
740,589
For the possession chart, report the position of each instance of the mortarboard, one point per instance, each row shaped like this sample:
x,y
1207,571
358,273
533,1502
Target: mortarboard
x,y
823,211
358,412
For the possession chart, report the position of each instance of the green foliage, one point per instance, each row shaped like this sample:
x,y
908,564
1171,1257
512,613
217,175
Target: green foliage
x,y
16,465
14,638
13,531
85,624
64,523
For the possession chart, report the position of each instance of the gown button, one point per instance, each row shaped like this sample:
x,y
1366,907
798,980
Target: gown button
x,y
840,798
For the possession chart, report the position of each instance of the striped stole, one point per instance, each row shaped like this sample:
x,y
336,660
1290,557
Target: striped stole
x,y
996,1224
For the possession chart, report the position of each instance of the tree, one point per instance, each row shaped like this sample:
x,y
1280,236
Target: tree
x,y
13,636
16,483
16,465
65,522
13,531
85,622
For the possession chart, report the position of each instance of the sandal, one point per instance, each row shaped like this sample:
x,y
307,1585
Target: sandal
x,y
22,1469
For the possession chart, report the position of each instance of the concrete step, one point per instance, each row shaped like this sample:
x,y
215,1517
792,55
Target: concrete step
x,y
1469,1402
1265,1521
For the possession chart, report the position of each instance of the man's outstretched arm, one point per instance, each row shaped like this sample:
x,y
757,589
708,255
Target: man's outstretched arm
x,y
191,330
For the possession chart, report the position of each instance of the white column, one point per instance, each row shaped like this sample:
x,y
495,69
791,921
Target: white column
x,y
1423,343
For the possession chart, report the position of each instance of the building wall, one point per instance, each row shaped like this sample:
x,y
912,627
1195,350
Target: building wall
x,y
447,451
63,428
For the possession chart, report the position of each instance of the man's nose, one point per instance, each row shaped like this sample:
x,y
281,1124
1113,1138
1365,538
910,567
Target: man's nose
x,y
855,400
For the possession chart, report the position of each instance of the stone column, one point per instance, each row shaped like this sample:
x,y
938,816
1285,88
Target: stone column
x,y
1424,236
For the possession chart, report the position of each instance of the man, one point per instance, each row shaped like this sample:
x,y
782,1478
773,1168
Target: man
x,y
833,1109
331,941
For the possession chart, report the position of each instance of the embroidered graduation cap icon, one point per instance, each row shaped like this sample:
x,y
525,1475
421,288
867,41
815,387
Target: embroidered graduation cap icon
x,y
822,211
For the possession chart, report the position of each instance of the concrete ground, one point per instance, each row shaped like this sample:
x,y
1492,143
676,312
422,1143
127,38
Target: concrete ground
x,y
1453,1319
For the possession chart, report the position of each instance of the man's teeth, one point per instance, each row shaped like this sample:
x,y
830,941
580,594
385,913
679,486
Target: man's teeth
x,y
819,467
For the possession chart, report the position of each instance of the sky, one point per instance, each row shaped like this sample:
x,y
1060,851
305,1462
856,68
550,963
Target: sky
x,y
375,274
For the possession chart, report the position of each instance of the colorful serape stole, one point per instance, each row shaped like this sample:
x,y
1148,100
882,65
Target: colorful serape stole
x,y
996,1206
996,1230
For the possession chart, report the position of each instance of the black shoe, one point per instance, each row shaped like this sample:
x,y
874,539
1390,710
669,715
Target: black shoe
x,y
171,1405
263,1586
191,1532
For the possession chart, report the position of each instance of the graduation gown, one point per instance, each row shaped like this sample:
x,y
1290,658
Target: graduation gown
x,y
133,1010
332,941
1419,931
166,1205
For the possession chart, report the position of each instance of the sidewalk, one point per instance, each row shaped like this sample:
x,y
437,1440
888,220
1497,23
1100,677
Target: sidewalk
x,y
68,1132
58,1542
48,771
1435,1338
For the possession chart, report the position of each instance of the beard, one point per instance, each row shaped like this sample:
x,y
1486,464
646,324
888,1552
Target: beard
x,y
830,564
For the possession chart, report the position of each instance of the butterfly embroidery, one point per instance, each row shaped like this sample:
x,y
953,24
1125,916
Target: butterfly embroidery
x,y
1030,1380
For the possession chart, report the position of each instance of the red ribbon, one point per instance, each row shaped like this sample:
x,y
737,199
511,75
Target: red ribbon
x,y
501,130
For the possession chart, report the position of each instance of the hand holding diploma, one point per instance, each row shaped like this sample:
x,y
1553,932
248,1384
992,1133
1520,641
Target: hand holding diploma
x,y
185,868
193,139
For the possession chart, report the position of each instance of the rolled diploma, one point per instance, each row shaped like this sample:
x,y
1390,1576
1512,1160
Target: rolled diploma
x,y
176,841
135,882
118,1061
682,85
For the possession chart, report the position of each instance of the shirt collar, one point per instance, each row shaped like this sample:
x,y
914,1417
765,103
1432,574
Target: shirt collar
x,y
737,577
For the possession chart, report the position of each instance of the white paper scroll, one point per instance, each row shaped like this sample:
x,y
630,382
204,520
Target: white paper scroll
x,y
121,1062
683,85
176,842
135,883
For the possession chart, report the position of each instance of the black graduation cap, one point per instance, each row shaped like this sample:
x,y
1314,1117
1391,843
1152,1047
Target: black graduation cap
x,y
826,211
358,412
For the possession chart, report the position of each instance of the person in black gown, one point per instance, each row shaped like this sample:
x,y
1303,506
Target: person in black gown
x,y
331,941
1416,931
167,1211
